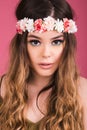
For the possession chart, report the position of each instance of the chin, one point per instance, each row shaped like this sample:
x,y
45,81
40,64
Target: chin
x,y
46,74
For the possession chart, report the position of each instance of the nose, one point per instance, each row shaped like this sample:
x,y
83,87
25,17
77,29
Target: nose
x,y
46,52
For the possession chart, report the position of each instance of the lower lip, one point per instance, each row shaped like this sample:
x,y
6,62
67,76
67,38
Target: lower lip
x,y
45,66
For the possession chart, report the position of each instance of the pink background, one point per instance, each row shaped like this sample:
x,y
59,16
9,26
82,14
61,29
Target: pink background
x,y
7,31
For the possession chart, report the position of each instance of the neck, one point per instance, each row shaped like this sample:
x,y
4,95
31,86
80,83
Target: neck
x,y
39,82
36,85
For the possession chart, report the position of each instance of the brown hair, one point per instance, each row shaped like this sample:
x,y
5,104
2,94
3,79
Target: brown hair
x,y
63,110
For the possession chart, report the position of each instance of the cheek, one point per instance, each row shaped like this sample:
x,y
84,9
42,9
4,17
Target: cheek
x,y
32,54
58,54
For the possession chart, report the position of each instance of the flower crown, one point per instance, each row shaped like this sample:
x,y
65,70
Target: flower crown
x,y
47,24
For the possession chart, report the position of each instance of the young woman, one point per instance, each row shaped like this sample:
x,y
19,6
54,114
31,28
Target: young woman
x,y
42,89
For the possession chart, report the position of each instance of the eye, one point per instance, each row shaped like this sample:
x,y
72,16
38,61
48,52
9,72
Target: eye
x,y
34,42
57,42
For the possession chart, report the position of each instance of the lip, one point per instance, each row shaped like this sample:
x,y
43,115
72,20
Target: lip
x,y
46,65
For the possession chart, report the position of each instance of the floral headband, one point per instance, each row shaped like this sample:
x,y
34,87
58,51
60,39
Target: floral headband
x,y
47,24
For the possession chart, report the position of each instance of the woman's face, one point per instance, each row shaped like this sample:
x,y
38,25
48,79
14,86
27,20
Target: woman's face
x,y
45,50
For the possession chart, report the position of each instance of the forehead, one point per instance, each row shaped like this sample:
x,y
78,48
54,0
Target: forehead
x,y
47,34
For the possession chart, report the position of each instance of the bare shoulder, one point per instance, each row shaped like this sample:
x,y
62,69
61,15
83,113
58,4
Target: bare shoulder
x,y
82,88
83,81
2,86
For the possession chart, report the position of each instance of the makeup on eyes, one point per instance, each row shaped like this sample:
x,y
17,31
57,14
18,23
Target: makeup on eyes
x,y
34,42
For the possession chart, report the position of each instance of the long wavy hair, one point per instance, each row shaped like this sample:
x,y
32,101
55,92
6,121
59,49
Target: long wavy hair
x,y
63,109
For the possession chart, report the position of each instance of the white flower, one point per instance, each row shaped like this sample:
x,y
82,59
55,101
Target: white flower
x,y
59,26
72,27
22,24
46,24
30,25
49,23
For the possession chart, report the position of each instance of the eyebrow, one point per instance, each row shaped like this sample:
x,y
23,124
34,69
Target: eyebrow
x,y
57,37
33,36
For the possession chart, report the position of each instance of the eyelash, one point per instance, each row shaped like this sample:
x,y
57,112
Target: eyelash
x,y
34,42
37,42
58,42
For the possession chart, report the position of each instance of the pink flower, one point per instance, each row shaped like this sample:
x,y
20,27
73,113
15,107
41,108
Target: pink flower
x,y
46,24
18,29
66,24
69,26
38,24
